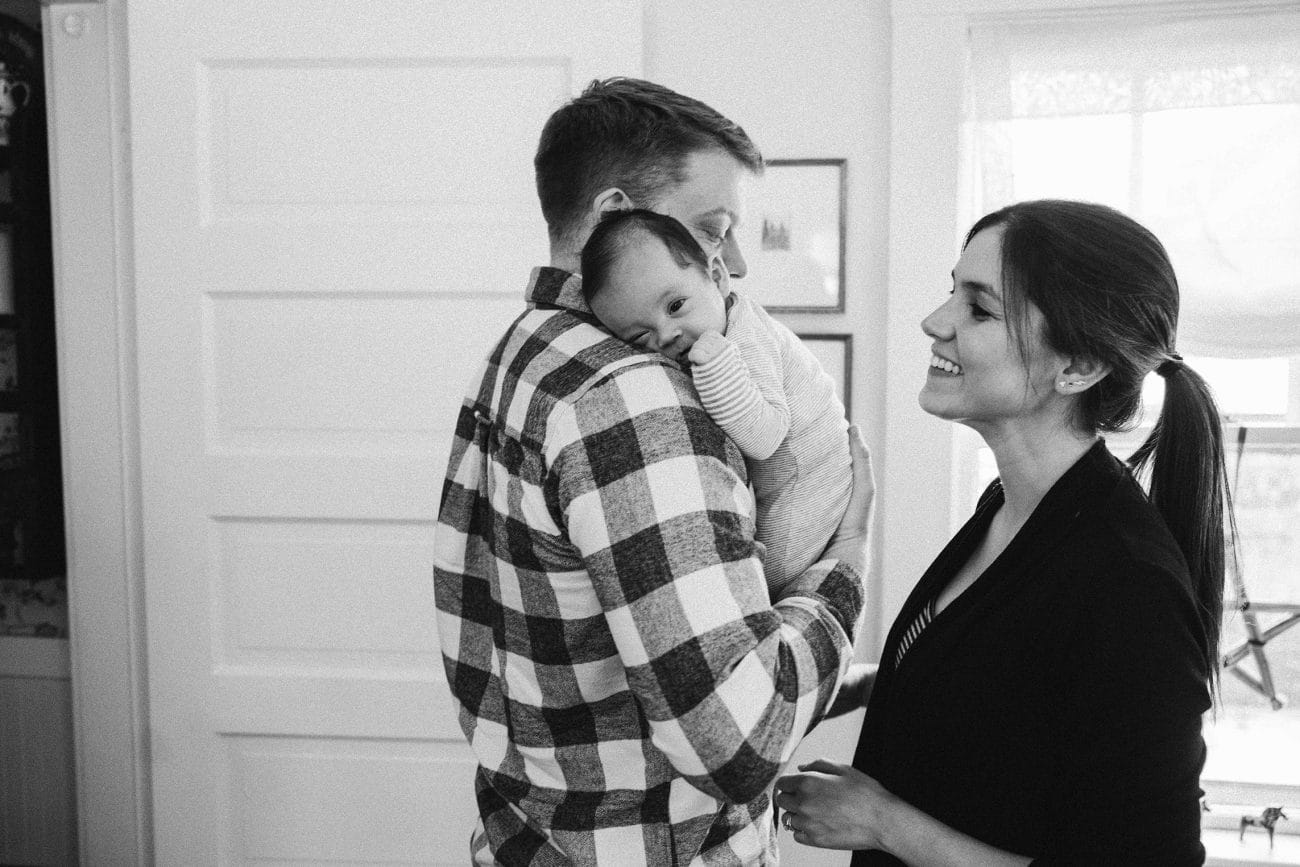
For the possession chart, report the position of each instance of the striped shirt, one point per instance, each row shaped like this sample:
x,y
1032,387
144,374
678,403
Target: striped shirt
x,y
923,618
626,686
772,397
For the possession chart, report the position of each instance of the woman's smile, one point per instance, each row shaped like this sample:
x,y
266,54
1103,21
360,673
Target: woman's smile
x,y
941,366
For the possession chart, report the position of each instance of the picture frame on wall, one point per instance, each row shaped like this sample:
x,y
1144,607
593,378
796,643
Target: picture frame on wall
x,y
835,354
793,236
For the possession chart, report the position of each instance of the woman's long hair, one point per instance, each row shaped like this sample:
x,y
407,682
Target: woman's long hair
x,y
1108,293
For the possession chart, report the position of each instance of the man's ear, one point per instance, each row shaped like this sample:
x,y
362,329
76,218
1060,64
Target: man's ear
x,y
612,199
1081,374
719,275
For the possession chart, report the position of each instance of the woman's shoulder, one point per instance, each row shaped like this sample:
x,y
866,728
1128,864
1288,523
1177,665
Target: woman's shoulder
x,y
1127,603
1108,536
1123,569
1138,531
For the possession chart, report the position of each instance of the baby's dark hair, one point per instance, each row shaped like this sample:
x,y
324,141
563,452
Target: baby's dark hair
x,y
617,230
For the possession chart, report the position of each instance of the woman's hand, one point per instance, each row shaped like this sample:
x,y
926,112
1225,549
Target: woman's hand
x,y
855,689
834,806
839,807
851,540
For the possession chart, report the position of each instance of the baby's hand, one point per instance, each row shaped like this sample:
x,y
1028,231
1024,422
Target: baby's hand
x,y
709,345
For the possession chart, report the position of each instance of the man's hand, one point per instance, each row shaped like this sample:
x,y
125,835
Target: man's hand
x,y
850,543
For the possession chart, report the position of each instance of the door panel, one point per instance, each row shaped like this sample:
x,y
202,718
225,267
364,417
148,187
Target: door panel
x,y
333,216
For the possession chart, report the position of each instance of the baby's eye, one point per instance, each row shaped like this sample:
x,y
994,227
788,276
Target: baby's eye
x,y
675,305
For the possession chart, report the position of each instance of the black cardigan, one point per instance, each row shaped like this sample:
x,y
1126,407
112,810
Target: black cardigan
x,y
1053,709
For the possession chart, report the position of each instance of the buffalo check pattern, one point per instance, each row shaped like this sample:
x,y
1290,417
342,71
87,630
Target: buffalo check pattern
x,y
629,689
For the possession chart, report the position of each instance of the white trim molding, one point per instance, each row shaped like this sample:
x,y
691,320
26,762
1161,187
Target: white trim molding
x,y
86,79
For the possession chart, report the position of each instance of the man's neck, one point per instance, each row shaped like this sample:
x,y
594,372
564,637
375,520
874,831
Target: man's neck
x,y
566,260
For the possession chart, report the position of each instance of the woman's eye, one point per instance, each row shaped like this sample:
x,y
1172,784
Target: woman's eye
x,y
979,312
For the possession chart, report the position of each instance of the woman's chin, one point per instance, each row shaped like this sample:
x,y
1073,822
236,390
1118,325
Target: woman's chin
x,y
934,404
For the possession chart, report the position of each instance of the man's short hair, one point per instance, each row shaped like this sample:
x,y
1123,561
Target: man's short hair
x,y
617,230
627,133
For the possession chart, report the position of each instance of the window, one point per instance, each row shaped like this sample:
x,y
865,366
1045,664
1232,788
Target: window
x,y
1190,122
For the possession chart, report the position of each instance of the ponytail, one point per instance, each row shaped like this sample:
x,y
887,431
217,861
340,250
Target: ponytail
x,y
1184,458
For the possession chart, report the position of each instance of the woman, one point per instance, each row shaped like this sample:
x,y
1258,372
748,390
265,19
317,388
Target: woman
x,y
1039,697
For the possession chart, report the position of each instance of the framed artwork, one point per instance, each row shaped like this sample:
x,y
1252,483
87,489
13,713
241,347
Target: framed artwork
x,y
835,354
793,237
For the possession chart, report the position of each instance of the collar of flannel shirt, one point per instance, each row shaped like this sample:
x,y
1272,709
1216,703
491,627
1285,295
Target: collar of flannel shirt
x,y
555,287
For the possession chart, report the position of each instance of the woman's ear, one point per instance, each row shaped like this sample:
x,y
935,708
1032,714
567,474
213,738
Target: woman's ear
x,y
1081,374
719,274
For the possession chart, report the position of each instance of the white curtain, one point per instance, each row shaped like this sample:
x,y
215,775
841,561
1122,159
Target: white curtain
x,y
1189,123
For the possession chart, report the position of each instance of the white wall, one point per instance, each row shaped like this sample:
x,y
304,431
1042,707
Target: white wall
x,y
878,83
806,80
926,80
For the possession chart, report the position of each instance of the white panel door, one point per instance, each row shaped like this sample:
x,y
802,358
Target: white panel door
x,y
333,215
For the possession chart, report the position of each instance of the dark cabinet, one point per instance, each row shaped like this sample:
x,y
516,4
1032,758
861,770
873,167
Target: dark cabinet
x,y
31,490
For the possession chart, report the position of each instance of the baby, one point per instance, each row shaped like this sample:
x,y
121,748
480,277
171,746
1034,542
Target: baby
x,y
647,279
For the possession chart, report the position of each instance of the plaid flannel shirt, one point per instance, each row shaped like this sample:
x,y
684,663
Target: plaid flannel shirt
x,y
629,690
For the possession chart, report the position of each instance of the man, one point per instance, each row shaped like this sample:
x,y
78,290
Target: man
x,y
628,688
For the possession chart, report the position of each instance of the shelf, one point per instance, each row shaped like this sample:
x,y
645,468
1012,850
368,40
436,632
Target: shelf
x,y
1223,849
47,658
